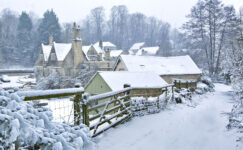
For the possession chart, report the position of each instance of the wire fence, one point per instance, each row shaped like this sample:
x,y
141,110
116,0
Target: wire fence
x,y
62,109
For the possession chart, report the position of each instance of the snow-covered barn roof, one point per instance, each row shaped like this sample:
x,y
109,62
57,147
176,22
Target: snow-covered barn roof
x,y
116,79
176,65
115,53
62,49
148,50
46,51
137,46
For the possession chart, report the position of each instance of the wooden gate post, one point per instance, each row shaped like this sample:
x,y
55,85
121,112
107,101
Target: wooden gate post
x,y
76,107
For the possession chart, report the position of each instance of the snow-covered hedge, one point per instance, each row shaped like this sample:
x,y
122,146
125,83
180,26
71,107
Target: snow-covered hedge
x,y
203,86
28,127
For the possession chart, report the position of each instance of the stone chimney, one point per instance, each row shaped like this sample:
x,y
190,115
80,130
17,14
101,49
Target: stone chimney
x,y
50,40
77,46
78,36
74,35
101,44
107,55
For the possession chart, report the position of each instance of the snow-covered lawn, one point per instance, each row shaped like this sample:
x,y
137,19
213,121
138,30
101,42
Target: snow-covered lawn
x,y
17,81
178,128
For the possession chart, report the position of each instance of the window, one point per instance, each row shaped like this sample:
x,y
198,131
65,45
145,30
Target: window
x,y
53,57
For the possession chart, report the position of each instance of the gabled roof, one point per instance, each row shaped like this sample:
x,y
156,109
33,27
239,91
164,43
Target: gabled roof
x,y
137,46
62,49
108,44
116,79
115,53
177,65
46,51
85,49
148,50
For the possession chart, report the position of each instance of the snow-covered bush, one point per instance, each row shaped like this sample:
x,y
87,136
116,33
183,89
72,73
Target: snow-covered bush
x,y
55,81
204,85
27,127
182,95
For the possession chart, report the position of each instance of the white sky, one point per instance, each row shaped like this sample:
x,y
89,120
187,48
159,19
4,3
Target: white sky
x,y
172,11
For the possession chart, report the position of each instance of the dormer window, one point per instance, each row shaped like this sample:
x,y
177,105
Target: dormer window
x,y
53,57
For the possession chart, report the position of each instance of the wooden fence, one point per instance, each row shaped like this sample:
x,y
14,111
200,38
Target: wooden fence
x,y
178,83
99,112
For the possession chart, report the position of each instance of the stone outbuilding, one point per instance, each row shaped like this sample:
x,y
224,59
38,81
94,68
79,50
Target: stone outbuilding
x,y
107,81
169,68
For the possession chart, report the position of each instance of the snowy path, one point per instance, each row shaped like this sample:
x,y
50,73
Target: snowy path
x,y
182,128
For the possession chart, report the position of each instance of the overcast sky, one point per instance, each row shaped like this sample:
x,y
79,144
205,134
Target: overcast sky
x,y
172,11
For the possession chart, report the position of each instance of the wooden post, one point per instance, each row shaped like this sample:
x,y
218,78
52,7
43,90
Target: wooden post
x,y
187,86
128,93
166,93
172,88
76,102
180,84
85,113
175,83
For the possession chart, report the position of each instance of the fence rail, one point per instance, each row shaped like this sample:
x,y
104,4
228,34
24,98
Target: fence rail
x,y
99,112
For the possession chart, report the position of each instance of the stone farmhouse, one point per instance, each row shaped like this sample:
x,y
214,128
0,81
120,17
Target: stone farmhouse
x,y
169,68
67,58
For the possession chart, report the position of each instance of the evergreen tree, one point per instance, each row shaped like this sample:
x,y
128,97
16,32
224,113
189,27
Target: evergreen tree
x,y
49,26
24,38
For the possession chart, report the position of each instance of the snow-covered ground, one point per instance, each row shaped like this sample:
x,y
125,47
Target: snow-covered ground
x,y
17,81
178,128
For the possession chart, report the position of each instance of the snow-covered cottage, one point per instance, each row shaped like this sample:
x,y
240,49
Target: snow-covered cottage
x,y
140,50
98,52
105,45
106,81
135,47
67,58
169,68
148,51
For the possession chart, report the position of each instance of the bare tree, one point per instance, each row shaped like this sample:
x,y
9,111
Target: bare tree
x,y
98,17
208,25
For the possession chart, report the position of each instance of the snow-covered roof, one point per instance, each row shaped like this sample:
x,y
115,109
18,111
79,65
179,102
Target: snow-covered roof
x,y
148,50
137,46
116,79
98,49
46,51
115,53
85,50
105,44
62,49
176,65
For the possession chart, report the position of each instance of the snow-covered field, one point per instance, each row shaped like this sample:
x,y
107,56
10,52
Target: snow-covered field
x,y
180,127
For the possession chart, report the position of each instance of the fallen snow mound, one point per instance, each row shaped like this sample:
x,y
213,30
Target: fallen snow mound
x,y
25,126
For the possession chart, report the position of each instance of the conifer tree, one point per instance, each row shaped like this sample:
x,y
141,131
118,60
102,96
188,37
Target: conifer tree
x,y
49,26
